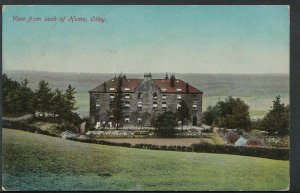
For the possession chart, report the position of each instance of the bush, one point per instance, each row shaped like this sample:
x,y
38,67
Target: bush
x,y
264,152
232,138
254,142
165,124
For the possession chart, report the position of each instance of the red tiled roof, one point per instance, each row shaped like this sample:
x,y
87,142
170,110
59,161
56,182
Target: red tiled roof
x,y
179,86
129,85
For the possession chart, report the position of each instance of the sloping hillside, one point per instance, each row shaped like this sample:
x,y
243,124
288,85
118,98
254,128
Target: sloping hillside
x,y
38,162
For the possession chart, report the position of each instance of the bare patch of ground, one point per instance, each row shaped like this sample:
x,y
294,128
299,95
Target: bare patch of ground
x,y
161,141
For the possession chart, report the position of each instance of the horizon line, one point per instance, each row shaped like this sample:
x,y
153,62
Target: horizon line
x,y
74,72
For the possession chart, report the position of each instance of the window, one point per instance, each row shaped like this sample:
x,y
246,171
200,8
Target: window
x,y
164,96
127,104
139,120
127,96
111,104
164,105
111,89
140,96
140,105
127,89
178,89
195,97
163,90
154,105
112,96
195,107
97,102
178,105
179,97
155,95
127,119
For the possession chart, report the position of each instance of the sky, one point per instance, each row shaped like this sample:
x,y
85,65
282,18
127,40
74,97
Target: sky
x,y
136,39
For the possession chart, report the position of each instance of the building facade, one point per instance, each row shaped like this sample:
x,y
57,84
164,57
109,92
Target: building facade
x,y
144,99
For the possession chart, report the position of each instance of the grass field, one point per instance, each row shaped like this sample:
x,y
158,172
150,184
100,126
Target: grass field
x,y
39,162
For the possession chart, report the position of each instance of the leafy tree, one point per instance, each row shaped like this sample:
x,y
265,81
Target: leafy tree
x,y
277,119
70,103
59,104
43,98
210,115
231,113
17,97
183,113
117,109
165,124
26,97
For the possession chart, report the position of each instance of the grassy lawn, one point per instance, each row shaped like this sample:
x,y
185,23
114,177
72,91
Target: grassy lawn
x,y
39,162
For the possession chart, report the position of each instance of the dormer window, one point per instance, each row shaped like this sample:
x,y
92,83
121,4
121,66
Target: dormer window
x,y
140,95
155,95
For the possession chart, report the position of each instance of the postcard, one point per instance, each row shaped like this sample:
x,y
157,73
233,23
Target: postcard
x,y
145,98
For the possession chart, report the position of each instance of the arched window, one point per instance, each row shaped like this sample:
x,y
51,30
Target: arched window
x,y
140,95
155,95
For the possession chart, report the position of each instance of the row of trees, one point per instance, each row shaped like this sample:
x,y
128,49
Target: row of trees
x,y
19,99
234,114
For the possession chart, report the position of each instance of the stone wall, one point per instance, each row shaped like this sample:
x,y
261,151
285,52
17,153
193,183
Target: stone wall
x,y
147,88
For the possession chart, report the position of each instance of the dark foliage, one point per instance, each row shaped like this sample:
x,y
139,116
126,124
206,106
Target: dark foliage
x,y
165,124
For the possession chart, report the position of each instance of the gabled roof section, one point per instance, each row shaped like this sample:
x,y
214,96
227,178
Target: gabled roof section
x,y
179,86
110,86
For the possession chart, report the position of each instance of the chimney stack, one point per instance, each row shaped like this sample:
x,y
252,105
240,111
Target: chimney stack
x,y
104,87
187,87
172,81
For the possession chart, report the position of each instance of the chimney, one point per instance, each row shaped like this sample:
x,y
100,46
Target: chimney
x,y
187,87
124,77
147,76
104,87
166,77
172,81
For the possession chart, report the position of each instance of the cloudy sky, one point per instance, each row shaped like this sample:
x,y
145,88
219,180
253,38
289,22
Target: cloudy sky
x,y
137,39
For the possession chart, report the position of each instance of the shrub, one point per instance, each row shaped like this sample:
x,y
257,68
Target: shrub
x,y
232,138
254,142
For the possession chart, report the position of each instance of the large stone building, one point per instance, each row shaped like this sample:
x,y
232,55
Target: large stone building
x,y
144,99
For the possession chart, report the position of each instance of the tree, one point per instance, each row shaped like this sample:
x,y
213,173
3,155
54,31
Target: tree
x,y
231,113
277,119
165,124
117,109
43,98
17,97
183,113
59,104
70,103
210,115
239,118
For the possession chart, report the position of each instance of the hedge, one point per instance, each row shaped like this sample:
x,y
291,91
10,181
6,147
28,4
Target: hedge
x,y
264,152
25,127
